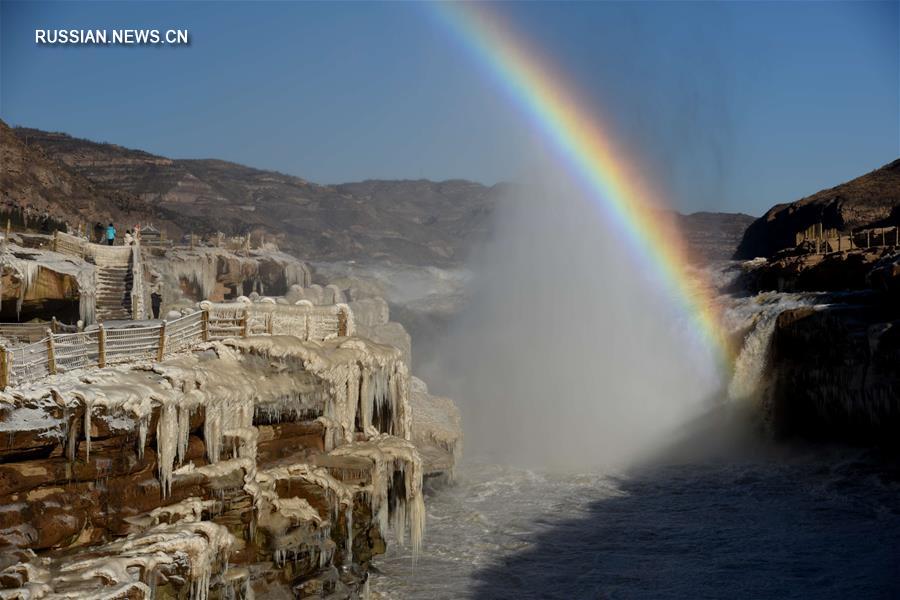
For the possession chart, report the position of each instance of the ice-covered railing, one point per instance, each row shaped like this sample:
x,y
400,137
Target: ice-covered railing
x,y
305,321
71,245
33,331
57,353
60,352
65,243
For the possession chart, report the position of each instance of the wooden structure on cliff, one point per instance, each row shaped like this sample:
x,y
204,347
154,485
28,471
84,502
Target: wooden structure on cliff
x,y
827,240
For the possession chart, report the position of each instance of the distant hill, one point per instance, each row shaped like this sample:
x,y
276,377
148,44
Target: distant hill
x,y
412,222
36,187
418,222
714,236
872,200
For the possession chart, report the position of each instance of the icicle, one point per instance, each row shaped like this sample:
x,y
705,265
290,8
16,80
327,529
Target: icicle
x,y
142,436
87,306
366,400
88,404
212,430
166,445
349,514
29,271
391,455
184,430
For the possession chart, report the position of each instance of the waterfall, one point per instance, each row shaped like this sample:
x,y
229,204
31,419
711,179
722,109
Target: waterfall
x,y
757,315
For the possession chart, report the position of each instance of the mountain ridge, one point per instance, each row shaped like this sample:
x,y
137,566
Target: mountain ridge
x,y
411,221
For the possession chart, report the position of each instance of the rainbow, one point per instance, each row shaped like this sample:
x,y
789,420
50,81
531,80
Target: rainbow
x,y
587,151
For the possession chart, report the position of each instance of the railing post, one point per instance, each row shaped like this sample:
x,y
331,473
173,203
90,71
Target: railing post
x,y
342,323
270,326
205,328
101,346
244,320
56,240
51,354
5,359
161,349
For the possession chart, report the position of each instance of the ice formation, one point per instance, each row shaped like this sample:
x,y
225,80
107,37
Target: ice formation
x,y
200,267
757,316
214,414
26,270
435,423
359,377
396,464
192,550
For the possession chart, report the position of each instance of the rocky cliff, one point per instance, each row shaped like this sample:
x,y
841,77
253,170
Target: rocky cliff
x,y
258,466
872,200
407,222
829,368
834,372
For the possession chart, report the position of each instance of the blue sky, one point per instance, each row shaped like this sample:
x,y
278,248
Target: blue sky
x,y
727,106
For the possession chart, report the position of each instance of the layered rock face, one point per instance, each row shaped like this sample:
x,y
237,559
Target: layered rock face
x,y
834,372
39,192
833,272
828,364
831,368
262,466
38,283
182,276
284,460
872,200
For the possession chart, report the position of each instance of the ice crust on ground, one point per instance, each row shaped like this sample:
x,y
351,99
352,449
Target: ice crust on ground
x,y
358,388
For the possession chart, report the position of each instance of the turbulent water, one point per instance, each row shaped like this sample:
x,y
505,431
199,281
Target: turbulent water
x,y
720,511
771,523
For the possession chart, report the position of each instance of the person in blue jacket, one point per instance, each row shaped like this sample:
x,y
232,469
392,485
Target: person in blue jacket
x,y
110,235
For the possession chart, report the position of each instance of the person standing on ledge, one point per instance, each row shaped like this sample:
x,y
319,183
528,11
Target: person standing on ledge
x,y
129,239
110,235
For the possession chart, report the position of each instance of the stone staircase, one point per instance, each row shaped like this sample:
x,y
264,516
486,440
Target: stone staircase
x,y
114,293
118,276
114,280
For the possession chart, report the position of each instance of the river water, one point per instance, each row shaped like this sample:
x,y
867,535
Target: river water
x,y
742,519
718,510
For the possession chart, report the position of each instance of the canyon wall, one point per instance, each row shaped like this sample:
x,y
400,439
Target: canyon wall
x,y
266,466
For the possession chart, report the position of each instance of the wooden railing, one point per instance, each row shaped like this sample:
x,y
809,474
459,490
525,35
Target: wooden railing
x,y
828,240
60,352
33,331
